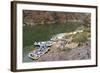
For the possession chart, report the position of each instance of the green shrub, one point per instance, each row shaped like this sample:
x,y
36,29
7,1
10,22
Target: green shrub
x,y
87,29
80,37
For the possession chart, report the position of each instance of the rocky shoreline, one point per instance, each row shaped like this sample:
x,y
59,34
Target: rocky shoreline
x,y
57,54
63,46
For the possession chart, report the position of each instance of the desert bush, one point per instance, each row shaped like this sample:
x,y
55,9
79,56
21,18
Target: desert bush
x,y
80,37
87,29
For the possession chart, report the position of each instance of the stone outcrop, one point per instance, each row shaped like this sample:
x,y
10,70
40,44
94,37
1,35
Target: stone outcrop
x,y
64,49
57,54
48,17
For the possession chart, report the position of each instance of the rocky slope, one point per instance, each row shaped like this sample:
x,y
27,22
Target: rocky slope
x,y
57,54
49,17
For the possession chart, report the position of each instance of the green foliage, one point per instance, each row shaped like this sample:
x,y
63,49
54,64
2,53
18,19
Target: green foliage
x,y
87,29
80,37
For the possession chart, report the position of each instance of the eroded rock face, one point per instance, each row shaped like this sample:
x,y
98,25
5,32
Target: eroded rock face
x,y
80,53
48,17
57,54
